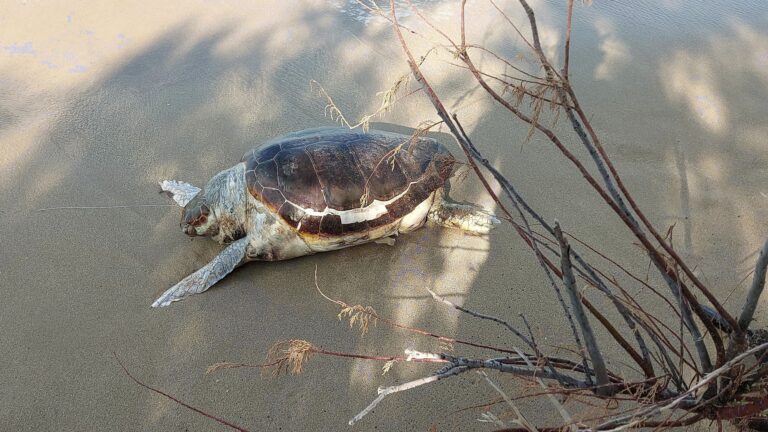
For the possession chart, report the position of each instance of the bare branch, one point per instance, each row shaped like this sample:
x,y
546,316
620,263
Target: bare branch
x,y
567,48
422,332
704,396
482,316
611,196
598,363
558,406
386,391
178,401
753,295
684,398
525,232
520,418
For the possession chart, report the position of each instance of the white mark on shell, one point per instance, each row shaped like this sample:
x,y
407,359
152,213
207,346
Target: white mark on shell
x,y
372,211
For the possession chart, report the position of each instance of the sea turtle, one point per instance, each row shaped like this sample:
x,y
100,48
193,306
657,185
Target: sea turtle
x,y
319,190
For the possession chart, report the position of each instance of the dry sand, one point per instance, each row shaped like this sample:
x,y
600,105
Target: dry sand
x,y
101,100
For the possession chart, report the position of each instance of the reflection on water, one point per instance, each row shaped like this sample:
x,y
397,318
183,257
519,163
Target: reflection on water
x,y
97,104
365,10
615,52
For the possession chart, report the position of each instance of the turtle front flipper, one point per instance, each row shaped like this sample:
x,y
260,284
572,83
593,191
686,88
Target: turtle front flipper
x,y
207,276
464,216
181,192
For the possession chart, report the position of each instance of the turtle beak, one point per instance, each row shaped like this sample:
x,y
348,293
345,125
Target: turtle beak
x,y
189,230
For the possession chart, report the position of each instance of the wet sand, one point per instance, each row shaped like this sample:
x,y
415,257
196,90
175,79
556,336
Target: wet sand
x,y
100,102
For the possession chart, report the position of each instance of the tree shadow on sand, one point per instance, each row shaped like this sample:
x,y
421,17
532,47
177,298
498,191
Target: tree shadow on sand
x,y
181,110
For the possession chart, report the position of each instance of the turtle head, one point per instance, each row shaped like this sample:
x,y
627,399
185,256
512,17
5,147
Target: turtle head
x,y
218,211
197,219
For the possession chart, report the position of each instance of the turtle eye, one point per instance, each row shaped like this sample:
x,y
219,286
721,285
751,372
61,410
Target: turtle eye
x,y
202,216
196,216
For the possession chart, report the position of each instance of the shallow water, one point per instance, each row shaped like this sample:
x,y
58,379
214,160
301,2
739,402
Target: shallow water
x,y
98,102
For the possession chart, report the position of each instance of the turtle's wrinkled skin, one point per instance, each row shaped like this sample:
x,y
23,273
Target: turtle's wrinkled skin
x,y
319,190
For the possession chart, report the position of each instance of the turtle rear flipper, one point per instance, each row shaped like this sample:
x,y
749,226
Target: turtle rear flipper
x,y
181,192
207,276
467,217
464,216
